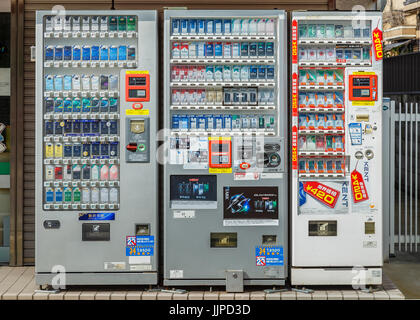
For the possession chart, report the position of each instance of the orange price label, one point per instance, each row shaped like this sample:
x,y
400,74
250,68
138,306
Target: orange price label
x,y
322,193
377,44
358,187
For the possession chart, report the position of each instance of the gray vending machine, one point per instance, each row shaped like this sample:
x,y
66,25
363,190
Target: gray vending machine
x,y
225,172
96,121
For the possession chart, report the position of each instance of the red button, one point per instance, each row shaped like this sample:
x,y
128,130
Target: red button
x,y
132,147
244,165
137,106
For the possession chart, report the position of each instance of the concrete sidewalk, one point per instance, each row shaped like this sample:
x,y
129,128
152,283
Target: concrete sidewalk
x,y
19,283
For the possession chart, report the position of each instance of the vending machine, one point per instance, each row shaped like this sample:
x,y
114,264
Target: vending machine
x,y
96,122
225,172
336,148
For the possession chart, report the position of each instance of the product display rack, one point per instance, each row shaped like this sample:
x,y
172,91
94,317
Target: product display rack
x,y
82,59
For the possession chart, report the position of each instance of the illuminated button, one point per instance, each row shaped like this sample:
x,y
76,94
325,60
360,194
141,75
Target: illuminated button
x,y
132,147
141,147
137,106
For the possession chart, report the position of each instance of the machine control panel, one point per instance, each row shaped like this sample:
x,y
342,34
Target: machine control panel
x,y
137,87
363,87
138,140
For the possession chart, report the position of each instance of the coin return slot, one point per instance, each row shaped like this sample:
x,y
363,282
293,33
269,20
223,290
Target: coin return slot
x,y
322,228
142,230
223,240
362,117
369,227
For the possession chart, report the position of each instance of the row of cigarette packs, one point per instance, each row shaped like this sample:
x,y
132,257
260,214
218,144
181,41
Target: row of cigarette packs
x,y
234,26
222,122
81,82
321,100
81,195
321,121
323,143
321,165
90,23
96,150
81,127
225,50
90,53
224,96
225,73
84,105
328,53
85,172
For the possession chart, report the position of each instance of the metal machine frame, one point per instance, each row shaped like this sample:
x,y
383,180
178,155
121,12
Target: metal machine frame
x,y
189,230
90,242
338,242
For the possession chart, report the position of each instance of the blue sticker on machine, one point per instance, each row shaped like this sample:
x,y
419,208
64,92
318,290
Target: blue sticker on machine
x,y
269,256
139,245
102,216
145,240
355,130
139,251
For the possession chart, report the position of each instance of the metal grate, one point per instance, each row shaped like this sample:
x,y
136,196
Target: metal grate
x,y
401,166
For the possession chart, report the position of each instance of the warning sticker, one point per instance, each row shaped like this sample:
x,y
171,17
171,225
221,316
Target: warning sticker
x,y
139,245
269,256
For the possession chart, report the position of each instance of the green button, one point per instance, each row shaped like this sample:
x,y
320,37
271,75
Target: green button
x,y
141,147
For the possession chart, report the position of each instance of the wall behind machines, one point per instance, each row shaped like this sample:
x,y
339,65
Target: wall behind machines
x,y
23,82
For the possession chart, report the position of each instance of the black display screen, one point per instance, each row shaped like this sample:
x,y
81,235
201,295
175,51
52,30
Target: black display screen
x,y
193,187
250,202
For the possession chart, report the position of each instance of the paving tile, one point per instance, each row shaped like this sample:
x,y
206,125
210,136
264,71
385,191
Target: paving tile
x,y
334,295
303,296
180,296
350,295
365,295
72,295
288,295
226,296
381,295
272,296
395,294
242,296
13,292
57,296
164,296
134,295
28,292
87,295
40,296
211,295
103,295
149,295
319,295
118,295
196,295
257,295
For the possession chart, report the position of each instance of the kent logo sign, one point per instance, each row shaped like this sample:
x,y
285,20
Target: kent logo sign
x,y
377,44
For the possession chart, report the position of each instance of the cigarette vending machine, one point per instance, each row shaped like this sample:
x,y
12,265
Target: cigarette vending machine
x,y
336,148
225,179
96,121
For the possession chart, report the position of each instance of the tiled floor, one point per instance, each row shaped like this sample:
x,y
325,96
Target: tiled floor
x,y
19,283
